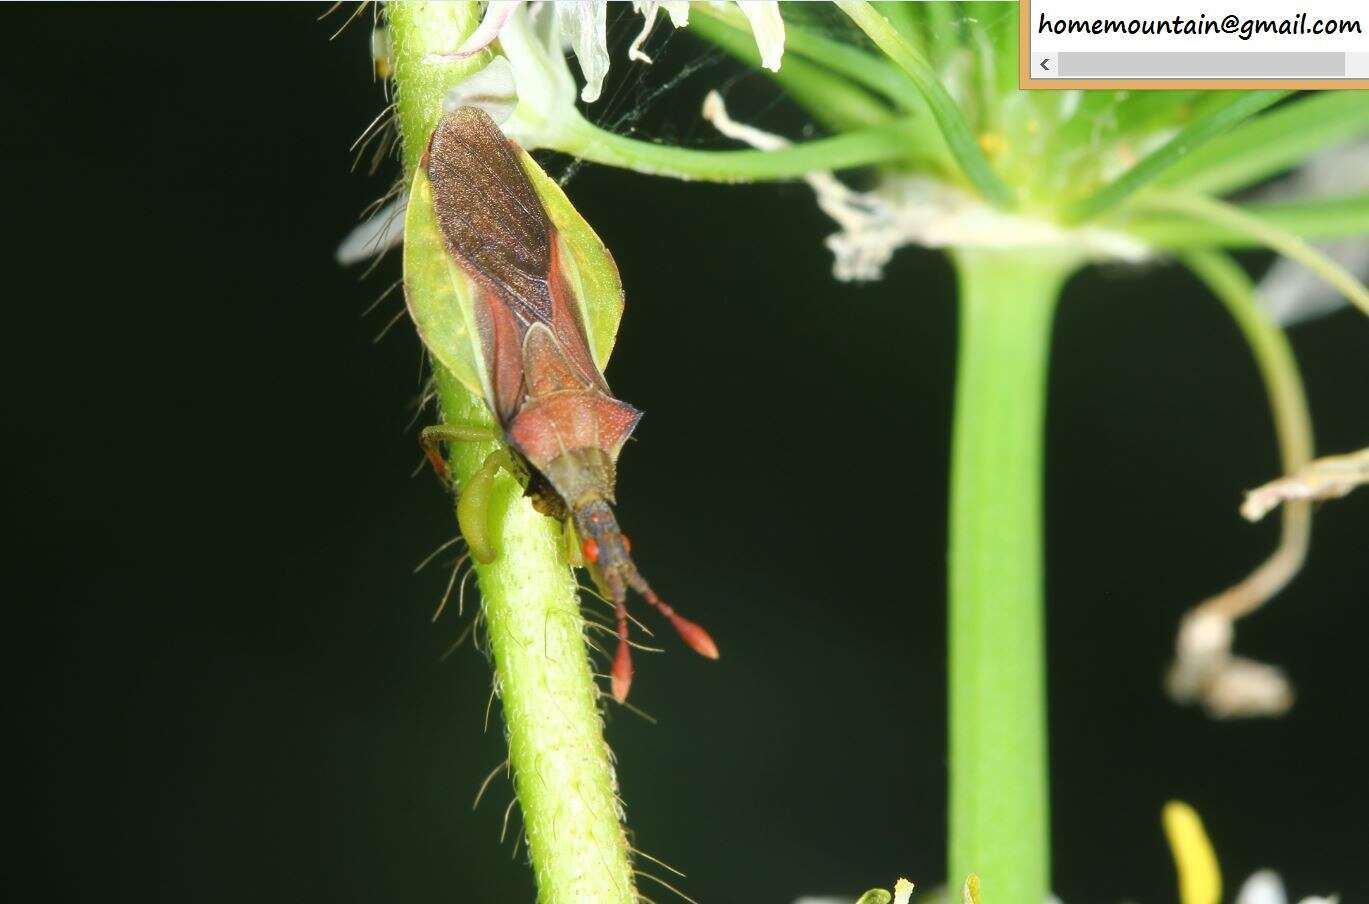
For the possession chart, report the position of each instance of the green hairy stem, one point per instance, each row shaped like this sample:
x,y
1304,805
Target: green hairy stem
x,y
560,761
999,816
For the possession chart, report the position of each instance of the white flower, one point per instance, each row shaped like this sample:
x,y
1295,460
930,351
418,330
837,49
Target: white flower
x,y
1265,887
584,27
907,209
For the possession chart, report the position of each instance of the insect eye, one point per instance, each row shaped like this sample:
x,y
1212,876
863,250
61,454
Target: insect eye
x,y
590,550
627,544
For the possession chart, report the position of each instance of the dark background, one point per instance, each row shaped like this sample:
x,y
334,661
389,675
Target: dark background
x,y
225,685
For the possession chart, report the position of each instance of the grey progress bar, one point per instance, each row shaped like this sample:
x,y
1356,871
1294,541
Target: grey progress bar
x,y
1078,64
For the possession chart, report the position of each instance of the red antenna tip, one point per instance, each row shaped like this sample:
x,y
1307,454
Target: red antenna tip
x,y
696,637
621,678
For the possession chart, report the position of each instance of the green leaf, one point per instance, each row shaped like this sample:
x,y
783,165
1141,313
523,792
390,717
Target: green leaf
x,y
1201,207
858,65
1273,142
948,116
1149,168
441,295
1324,218
832,97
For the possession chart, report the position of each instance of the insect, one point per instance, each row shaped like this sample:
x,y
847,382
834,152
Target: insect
x,y
515,295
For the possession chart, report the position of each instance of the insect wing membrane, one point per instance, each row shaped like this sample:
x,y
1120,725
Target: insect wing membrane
x,y
589,270
482,247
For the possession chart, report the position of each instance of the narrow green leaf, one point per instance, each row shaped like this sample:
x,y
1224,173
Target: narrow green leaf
x,y
897,141
1275,141
956,131
1149,168
852,62
1201,207
1324,218
832,97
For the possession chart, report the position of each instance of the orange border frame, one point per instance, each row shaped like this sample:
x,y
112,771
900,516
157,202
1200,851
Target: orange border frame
x,y
1027,83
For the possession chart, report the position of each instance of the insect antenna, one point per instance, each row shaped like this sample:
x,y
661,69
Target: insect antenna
x,y
693,635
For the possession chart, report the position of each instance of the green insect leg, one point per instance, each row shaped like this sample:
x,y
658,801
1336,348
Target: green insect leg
x,y
473,502
433,437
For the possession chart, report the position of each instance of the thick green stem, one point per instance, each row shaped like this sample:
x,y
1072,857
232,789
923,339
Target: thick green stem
x,y
561,766
999,817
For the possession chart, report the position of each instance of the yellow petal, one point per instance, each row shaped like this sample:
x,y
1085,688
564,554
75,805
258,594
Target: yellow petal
x,y
1200,880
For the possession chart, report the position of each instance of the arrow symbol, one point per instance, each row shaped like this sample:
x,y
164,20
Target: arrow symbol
x,y
1044,61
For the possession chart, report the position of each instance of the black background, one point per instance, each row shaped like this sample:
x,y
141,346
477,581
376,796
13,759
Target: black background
x,y
225,685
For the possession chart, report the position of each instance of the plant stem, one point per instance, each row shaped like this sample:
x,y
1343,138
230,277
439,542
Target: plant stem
x,y
886,143
560,762
999,817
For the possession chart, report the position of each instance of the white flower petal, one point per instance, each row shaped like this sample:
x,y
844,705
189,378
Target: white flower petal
x,y
648,10
916,210
1264,887
1289,292
768,29
492,89
546,89
496,14
584,23
678,11
376,234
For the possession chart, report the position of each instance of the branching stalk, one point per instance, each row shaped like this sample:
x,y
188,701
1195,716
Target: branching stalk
x,y
999,820
561,766
887,143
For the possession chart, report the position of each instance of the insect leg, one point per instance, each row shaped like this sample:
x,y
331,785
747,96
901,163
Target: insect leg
x,y
433,437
